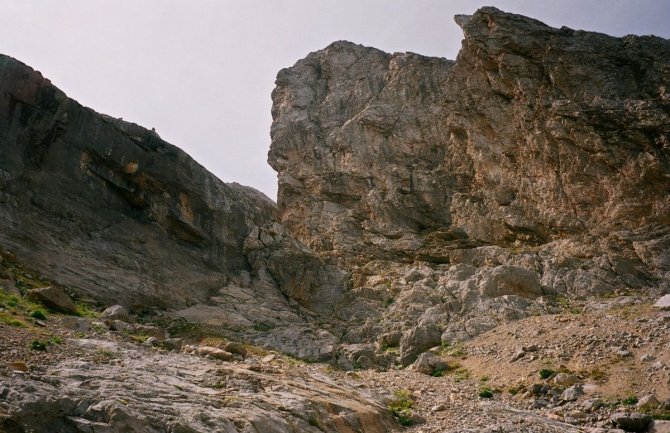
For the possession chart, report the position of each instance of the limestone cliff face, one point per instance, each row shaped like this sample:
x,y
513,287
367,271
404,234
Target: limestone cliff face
x,y
533,135
463,194
108,208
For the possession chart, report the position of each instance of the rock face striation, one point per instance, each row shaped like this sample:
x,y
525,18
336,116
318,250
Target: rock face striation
x,y
462,193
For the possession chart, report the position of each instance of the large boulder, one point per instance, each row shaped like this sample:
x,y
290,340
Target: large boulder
x,y
417,340
54,298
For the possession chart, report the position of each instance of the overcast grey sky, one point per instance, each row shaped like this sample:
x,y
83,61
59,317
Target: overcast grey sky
x,y
201,71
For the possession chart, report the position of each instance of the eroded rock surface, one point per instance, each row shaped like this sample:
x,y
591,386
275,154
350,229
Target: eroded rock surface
x,y
132,389
467,193
532,135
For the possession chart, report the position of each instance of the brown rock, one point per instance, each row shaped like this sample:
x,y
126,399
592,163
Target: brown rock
x,y
54,298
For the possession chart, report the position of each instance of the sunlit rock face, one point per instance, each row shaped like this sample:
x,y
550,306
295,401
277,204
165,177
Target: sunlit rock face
x,y
533,135
464,194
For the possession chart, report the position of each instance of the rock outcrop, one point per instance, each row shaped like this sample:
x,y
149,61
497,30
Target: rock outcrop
x,y
465,193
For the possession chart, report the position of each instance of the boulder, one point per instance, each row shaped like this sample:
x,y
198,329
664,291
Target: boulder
x,y
116,312
663,303
54,298
632,422
8,286
430,363
417,340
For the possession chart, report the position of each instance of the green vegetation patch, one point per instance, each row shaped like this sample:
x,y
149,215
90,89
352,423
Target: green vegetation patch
x,y
401,406
630,400
486,393
546,373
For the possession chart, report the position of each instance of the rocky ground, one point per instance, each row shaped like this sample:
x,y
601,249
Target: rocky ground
x,y
600,359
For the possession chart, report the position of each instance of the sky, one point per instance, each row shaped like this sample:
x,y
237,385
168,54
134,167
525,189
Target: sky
x,y
201,71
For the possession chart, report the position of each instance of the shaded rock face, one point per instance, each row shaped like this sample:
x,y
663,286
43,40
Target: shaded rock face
x,y
533,135
109,208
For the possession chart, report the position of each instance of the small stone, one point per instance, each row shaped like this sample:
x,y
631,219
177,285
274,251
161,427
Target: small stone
x,y
54,298
518,355
633,422
214,353
623,353
116,312
268,358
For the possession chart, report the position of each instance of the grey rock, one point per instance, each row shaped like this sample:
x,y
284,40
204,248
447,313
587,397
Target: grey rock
x,y
632,422
154,391
8,286
54,298
572,393
79,324
429,363
417,340
663,303
172,344
648,401
116,312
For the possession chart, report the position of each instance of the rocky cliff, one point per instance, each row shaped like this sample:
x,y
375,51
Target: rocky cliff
x,y
532,135
109,210
462,193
